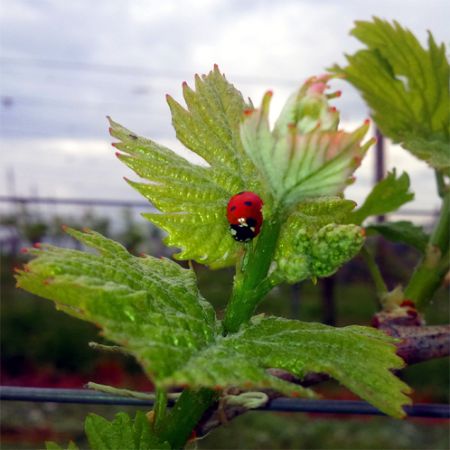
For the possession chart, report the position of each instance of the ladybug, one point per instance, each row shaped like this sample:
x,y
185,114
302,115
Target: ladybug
x,y
245,216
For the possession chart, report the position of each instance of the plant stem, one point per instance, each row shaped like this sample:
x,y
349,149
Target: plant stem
x,y
184,416
160,408
441,187
249,286
375,273
435,263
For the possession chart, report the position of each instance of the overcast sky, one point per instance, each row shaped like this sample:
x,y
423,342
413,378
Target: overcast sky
x,y
66,65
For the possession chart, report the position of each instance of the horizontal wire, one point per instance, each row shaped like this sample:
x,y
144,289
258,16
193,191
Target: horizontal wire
x,y
139,204
77,201
136,71
83,396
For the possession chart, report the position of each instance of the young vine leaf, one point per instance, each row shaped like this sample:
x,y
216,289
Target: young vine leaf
x,y
406,86
305,155
152,308
386,196
402,231
192,199
315,242
122,433
304,159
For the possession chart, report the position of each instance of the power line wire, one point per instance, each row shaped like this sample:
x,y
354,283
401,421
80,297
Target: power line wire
x,y
138,204
137,71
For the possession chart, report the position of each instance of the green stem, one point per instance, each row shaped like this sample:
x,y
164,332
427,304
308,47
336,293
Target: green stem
x,y
441,187
185,415
249,286
375,273
160,408
430,271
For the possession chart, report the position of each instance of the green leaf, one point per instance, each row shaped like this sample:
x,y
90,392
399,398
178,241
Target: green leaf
x,y
153,309
406,86
122,433
150,306
314,243
401,231
304,157
436,152
386,196
360,358
319,254
192,199
298,160
313,214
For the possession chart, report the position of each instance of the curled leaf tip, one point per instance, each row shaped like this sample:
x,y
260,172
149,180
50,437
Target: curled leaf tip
x,y
335,94
266,102
357,160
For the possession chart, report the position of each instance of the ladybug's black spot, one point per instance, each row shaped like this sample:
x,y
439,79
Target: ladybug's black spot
x,y
251,222
242,233
248,203
232,208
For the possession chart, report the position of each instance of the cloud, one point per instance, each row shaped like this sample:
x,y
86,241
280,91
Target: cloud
x,y
72,63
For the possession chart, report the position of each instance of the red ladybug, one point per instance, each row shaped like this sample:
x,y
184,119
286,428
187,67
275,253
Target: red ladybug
x,y
245,216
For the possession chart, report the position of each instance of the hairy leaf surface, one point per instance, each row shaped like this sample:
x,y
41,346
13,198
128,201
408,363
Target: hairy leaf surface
x,y
314,242
304,157
359,357
151,306
299,162
192,199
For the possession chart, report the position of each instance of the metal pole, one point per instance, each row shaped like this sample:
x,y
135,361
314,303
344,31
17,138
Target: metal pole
x,y
379,162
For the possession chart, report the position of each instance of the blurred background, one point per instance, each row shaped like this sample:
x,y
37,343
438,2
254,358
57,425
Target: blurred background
x,y
64,66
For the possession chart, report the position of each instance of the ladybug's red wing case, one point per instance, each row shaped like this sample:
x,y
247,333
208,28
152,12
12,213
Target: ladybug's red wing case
x,y
245,216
